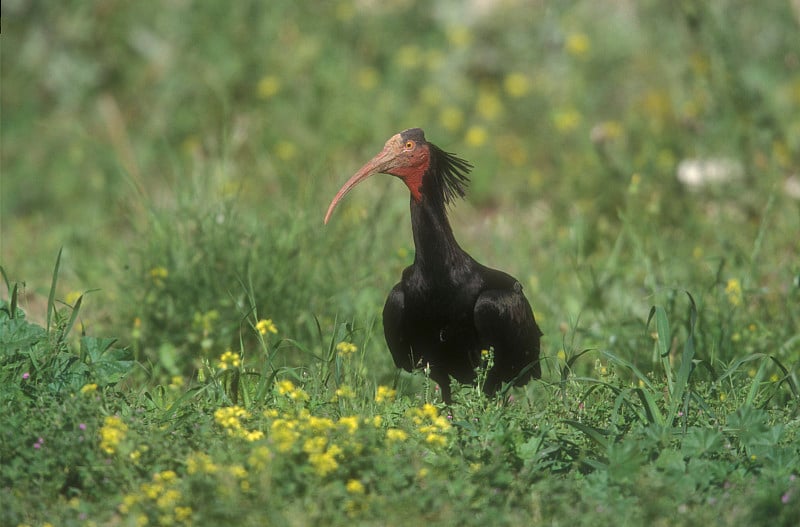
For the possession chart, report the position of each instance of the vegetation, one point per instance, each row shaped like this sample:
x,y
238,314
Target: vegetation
x,y
203,351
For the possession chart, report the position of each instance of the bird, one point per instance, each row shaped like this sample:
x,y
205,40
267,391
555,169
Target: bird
x,y
449,311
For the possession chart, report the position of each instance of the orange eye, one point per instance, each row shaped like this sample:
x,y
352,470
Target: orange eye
x,y
409,145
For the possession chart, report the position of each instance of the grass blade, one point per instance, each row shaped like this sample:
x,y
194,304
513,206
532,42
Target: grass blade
x,y
51,299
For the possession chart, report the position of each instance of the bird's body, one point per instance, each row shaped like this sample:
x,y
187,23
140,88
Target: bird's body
x,y
448,308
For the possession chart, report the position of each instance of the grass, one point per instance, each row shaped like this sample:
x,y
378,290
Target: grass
x,y
181,175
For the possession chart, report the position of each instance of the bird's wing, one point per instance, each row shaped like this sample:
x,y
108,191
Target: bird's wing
x,y
393,312
504,320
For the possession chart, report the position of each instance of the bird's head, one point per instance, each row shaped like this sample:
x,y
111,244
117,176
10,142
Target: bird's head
x,y
410,157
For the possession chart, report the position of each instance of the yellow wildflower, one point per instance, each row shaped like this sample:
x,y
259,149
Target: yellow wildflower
x,y
284,434
259,458
436,440
158,272
325,462
733,290
89,388
384,394
229,359
566,120
489,105
367,79
476,136
346,348
451,117
396,435
176,382
285,151
72,297
408,57
112,433
200,463
354,486
268,86
265,326
183,514
345,392
287,388
577,45
516,84
349,423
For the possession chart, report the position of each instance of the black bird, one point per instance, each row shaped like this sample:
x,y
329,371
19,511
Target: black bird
x,y
448,308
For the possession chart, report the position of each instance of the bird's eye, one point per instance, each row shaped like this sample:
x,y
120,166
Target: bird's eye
x,y
409,145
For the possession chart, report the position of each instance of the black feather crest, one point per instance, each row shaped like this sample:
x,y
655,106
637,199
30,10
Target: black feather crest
x,y
450,172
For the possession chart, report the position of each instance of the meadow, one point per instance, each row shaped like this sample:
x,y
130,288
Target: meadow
x,y
183,342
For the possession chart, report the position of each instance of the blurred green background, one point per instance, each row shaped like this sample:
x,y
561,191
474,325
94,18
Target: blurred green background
x,y
183,153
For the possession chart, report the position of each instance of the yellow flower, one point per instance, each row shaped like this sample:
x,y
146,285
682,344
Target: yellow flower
x,y
367,79
396,435
287,388
354,486
268,86
176,382
284,434
72,297
516,85
346,348
436,440
476,136
112,433
253,435
344,392
489,105
265,326
259,458
733,290
566,120
159,272
384,394
89,388
183,514
325,462
577,45
459,36
285,151
200,463
451,117
229,359
349,423
408,57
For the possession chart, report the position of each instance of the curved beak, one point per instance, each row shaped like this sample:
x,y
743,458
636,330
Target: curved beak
x,y
382,162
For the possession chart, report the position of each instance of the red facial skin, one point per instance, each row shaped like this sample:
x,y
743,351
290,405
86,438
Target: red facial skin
x,y
407,160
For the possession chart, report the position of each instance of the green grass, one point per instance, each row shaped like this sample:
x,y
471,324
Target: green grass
x,y
165,172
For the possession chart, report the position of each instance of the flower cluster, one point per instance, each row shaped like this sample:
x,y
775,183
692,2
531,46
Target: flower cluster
x,y
346,348
433,426
733,291
230,418
158,502
229,359
287,388
384,394
112,433
265,326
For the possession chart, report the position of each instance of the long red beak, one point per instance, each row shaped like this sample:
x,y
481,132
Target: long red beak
x,y
382,162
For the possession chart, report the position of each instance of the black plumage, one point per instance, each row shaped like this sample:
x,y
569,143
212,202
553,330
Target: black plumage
x,y
447,307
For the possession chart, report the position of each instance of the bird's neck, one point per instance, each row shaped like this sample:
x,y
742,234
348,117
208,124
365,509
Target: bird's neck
x,y
436,247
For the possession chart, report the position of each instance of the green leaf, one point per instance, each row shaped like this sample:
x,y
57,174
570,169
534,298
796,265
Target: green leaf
x,y
699,440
